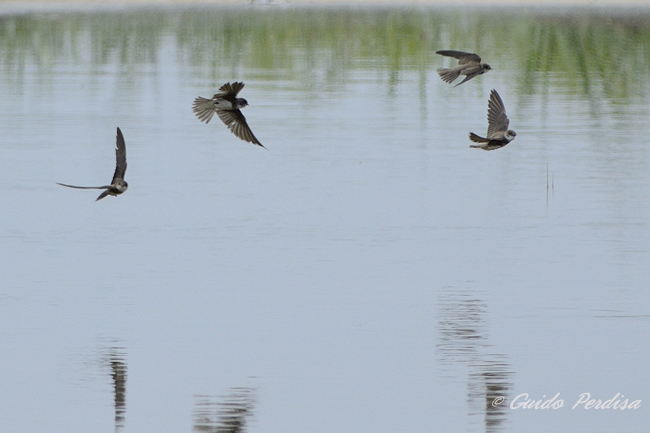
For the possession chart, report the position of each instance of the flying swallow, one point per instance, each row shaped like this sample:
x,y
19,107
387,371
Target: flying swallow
x,y
227,106
498,134
469,64
118,184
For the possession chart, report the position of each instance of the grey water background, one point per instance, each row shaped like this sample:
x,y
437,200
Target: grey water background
x,y
369,272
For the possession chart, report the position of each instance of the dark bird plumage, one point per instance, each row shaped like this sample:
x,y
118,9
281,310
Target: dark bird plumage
x,y
498,134
227,106
469,64
118,184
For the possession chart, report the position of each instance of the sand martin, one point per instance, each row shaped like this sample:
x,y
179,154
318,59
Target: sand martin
x,y
498,134
118,185
227,106
469,64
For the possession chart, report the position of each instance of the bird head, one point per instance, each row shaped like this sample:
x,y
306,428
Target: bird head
x,y
487,67
241,102
510,135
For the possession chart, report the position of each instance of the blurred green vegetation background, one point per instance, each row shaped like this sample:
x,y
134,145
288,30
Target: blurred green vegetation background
x,y
608,50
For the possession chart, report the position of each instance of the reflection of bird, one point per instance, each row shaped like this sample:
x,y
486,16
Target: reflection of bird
x,y
118,373
229,417
118,185
498,134
469,64
227,106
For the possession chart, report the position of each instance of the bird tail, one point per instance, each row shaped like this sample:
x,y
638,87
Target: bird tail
x,y
204,109
448,75
476,139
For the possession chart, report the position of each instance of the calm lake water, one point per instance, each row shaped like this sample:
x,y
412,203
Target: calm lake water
x,y
369,272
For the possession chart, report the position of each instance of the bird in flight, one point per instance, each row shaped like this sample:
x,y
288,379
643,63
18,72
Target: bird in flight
x,y
469,64
118,184
498,134
227,106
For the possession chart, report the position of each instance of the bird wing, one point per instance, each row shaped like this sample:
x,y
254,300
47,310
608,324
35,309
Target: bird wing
x,y
84,187
103,194
231,89
471,73
497,118
236,122
120,157
204,109
462,56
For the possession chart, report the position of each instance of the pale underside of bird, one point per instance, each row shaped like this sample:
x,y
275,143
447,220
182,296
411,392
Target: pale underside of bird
x,y
227,106
118,184
469,64
498,134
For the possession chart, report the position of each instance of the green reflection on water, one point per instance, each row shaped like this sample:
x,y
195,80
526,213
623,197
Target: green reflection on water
x,y
611,52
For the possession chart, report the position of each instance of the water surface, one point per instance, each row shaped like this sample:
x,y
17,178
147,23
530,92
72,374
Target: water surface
x,y
369,272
